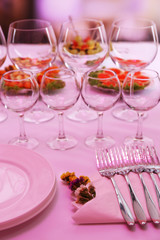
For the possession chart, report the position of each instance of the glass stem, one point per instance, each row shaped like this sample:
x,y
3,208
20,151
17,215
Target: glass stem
x,y
139,134
80,82
79,79
61,134
100,125
22,135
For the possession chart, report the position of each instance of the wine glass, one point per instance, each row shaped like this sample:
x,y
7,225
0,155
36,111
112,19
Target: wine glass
x,y
134,44
32,47
3,54
19,92
141,92
101,90
82,46
60,91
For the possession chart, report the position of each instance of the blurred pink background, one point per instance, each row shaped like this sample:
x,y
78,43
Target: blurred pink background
x,y
57,11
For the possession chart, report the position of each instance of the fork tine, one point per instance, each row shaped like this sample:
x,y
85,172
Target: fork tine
x,y
129,150
102,164
153,155
126,158
118,158
109,158
98,160
156,160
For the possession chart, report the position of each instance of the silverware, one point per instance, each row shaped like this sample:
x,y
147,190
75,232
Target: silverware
x,y
137,160
102,166
118,161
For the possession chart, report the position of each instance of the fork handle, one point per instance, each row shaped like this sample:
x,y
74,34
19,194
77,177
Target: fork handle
x,y
138,210
156,187
153,211
126,213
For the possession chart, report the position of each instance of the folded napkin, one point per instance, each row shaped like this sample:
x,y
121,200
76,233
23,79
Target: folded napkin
x,y
104,208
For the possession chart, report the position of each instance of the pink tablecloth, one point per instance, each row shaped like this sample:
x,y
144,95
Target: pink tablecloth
x,y
56,222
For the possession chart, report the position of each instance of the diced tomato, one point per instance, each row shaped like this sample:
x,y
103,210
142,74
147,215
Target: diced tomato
x,y
140,83
7,83
11,84
122,76
84,46
116,70
39,78
19,84
40,75
136,62
27,85
119,59
137,73
140,76
2,72
75,43
87,39
130,62
142,64
105,74
109,83
47,81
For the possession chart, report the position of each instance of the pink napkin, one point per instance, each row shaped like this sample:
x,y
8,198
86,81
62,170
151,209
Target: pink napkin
x,y
104,208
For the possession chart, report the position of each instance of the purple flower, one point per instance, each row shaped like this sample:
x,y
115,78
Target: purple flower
x,y
76,183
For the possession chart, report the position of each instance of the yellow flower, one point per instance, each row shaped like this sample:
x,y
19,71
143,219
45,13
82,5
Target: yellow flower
x,y
86,179
67,177
71,178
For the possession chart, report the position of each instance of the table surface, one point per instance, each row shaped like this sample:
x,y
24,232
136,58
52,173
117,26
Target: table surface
x,y
55,222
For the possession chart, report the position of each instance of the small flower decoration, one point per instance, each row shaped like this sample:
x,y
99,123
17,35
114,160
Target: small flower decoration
x,y
68,177
81,187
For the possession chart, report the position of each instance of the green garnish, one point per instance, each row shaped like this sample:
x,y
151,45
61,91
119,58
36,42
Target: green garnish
x,y
54,85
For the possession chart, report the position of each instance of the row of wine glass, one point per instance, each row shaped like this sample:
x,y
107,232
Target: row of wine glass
x,y
60,90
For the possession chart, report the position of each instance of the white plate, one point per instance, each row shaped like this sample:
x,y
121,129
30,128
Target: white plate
x,y
27,185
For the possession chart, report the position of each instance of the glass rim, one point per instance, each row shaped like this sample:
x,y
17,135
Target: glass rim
x,y
108,78
69,71
150,22
30,75
94,20
47,23
156,74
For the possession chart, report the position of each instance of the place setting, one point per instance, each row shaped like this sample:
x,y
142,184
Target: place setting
x,y
130,197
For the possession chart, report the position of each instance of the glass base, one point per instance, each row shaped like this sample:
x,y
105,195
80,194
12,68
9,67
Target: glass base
x,y
3,115
37,115
30,143
62,144
82,115
126,114
134,141
94,142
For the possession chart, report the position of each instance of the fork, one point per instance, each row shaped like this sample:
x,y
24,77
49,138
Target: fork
x,y
119,160
152,167
105,172
135,156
